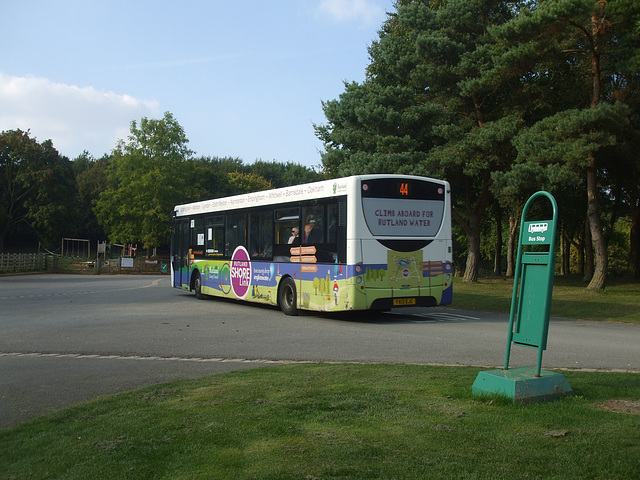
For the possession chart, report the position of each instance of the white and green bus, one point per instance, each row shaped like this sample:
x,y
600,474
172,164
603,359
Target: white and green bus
x,y
355,243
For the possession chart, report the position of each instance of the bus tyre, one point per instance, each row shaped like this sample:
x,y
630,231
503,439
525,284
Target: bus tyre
x,y
287,297
197,285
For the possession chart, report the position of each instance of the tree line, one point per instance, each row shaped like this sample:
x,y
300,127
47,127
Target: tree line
x,y
126,196
504,98
500,98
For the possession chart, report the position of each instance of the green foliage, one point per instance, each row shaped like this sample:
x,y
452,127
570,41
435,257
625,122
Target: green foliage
x,y
213,177
154,171
130,194
91,180
147,180
49,211
569,136
499,98
281,174
247,182
36,185
435,104
619,246
209,177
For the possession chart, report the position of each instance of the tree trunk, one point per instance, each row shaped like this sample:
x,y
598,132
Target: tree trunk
x,y
565,251
587,269
473,256
599,277
511,253
579,244
472,228
497,261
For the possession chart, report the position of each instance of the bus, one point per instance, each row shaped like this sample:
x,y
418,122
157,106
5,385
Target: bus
x,y
365,242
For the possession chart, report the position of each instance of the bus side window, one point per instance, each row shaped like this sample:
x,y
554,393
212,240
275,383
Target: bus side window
x,y
236,233
261,234
214,235
313,225
341,237
197,233
332,222
288,226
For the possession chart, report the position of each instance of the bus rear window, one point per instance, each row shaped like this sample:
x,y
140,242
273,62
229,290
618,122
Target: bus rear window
x,y
403,208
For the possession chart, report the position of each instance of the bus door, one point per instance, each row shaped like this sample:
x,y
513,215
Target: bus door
x,y
180,253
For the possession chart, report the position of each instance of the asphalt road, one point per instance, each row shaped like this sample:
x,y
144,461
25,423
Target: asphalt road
x,y
66,339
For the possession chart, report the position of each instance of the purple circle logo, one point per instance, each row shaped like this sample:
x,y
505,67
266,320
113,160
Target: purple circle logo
x,y
240,272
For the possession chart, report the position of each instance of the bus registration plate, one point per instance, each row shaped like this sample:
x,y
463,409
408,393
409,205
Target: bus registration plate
x,y
404,301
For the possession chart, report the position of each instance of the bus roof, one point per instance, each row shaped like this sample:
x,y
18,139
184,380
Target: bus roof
x,y
307,191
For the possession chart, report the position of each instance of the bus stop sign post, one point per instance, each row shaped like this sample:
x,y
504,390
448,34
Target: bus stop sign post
x,y
529,317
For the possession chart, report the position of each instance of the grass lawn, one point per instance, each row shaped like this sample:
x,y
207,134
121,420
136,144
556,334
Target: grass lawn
x,y
319,421
620,301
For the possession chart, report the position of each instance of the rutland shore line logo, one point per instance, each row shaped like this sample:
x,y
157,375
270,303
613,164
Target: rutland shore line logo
x,y
240,272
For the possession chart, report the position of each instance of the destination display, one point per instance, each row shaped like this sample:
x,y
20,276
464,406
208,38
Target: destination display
x,y
403,218
403,207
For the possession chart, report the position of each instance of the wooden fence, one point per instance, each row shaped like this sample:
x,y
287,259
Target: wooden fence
x,y
38,262
22,262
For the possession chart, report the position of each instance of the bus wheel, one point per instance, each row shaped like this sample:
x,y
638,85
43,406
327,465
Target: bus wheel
x,y
287,297
197,285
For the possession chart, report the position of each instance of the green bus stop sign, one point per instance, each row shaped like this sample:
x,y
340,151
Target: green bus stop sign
x,y
529,317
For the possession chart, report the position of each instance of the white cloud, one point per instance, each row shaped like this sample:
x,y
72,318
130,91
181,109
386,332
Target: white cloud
x,y
74,118
366,11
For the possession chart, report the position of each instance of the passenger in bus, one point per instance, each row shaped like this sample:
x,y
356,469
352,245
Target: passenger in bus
x,y
312,232
294,239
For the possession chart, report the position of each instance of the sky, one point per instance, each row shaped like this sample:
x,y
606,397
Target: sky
x,y
244,78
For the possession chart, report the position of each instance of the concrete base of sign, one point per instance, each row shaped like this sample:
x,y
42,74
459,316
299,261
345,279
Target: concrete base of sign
x,y
521,385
